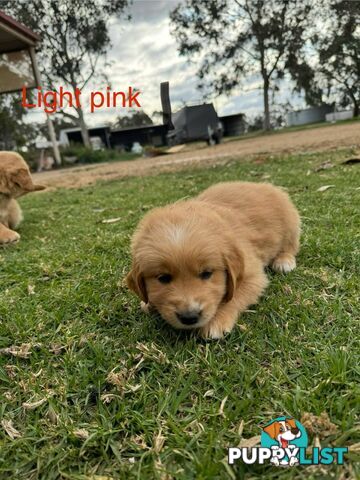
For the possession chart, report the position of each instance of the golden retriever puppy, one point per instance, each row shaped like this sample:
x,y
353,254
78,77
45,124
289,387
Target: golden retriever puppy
x,y
15,181
200,262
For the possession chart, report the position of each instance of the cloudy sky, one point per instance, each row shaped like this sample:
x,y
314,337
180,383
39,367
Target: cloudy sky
x,y
144,53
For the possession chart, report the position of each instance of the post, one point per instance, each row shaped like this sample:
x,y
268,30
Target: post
x,y
48,119
166,105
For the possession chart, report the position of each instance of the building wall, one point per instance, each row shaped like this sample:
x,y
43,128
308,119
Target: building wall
x,y
148,135
310,115
154,135
344,115
74,136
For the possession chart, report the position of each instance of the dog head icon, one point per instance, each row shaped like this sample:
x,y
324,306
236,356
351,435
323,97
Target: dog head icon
x,y
283,431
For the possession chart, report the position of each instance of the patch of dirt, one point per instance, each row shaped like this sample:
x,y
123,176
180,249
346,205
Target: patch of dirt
x,y
317,139
318,425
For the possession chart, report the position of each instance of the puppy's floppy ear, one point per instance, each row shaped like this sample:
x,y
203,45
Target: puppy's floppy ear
x,y
4,183
22,179
136,282
271,430
291,422
234,261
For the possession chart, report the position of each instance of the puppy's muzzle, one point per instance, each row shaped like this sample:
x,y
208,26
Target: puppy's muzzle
x,y
189,317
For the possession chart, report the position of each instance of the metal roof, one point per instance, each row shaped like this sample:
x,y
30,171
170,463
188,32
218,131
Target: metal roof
x,y
232,115
14,36
139,127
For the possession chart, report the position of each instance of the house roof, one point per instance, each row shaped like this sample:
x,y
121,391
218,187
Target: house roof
x,y
232,115
140,127
77,129
14,36
116,130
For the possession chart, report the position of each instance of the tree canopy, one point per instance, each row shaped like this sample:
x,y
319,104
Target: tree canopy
x,y
338,49
135,118
236,39
74,37
14,132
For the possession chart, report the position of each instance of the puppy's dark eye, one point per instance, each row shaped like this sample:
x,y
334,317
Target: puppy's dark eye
x,y
165,278
205,274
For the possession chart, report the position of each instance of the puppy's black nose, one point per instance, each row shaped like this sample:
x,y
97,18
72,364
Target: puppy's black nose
x,y
295,431
189,317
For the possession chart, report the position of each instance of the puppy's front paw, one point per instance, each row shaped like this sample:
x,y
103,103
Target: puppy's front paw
x,y
284,263
214,330
9,236
145,307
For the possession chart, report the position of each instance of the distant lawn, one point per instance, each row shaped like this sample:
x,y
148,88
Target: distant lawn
x,y
125,396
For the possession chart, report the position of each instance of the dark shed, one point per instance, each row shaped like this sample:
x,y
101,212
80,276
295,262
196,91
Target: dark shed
x,y
233,125
154,135
194,122
74,135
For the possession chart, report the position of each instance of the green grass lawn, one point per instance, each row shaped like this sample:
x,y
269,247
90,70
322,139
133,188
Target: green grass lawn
x,y
126,397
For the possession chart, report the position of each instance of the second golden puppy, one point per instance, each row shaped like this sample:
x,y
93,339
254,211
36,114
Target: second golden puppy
x,y
200,262
15,181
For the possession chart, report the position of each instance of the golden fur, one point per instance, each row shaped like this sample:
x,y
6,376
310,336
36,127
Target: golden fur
x,y
213,249
15,181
